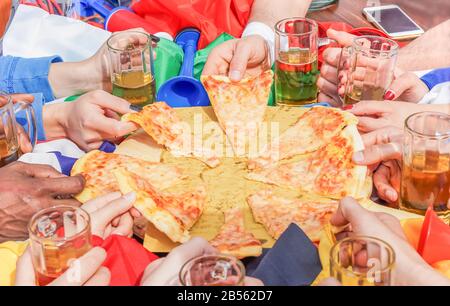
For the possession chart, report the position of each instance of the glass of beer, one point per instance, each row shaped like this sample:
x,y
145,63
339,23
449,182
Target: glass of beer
x,y
362,261
58,236
132,73
9,144
366,69
426,164
296,67
213,270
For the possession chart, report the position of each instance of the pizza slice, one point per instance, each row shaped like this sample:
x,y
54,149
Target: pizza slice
x,y
233,239
312,131
172,214
240,107
328,172
276,213
97,169
162,123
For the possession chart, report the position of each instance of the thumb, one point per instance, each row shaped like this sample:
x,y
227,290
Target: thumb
x,y
238,64
400,85
118,207
24,271
343,38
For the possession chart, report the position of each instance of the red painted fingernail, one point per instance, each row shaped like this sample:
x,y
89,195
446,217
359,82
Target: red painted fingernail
x,y
340,77
389,95
347,107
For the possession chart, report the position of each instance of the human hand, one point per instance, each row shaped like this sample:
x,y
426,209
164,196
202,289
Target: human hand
x,y
410,268
383,154
89,120
374,115
26,189
165,271
88,269
238,58
329,84
407,87
22,137
98,69
112,214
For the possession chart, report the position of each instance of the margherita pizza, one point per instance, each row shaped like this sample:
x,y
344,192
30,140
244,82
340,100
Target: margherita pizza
x,y
240,107
328,172
277,213
172,214
96,167
162,123
233,239
312,131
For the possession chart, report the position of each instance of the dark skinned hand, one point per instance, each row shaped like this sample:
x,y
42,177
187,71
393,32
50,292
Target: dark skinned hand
x,y
26,189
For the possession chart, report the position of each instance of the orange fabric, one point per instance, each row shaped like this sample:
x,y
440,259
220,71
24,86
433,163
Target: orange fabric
x,y
5,11
412,229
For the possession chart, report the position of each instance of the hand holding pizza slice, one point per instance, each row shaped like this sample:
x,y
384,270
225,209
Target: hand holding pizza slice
x,y
240,107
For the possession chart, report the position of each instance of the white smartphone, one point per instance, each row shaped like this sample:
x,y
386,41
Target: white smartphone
x,y
392,20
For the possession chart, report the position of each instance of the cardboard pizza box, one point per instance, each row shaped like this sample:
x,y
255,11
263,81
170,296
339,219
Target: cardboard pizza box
x,y
226,184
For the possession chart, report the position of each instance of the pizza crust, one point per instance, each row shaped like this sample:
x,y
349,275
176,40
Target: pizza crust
x,y
161,219
357,187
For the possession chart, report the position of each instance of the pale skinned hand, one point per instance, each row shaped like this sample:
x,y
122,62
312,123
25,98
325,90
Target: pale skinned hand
x,y
112,214
333,79
165,271
97,67
407,87
26,189
84,271
22,136
238,58
89,120
374,115
328,82
383,154
410,268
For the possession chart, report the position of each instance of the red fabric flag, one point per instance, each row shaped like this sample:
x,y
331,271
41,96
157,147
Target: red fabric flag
x,y
126,259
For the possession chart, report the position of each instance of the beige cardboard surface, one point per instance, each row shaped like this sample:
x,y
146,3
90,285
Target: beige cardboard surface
x,y
226,184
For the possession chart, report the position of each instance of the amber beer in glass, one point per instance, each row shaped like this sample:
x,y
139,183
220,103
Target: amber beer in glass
x,y
362,261
213,270
426,164
9,144
58,235
366,68
131,61
296,66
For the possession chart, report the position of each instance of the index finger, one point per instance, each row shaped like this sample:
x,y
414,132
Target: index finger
x,y
63,185
371,108
38,171
349,211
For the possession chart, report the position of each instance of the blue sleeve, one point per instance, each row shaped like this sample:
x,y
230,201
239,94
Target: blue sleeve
x,y
436,77
27,75
23,75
